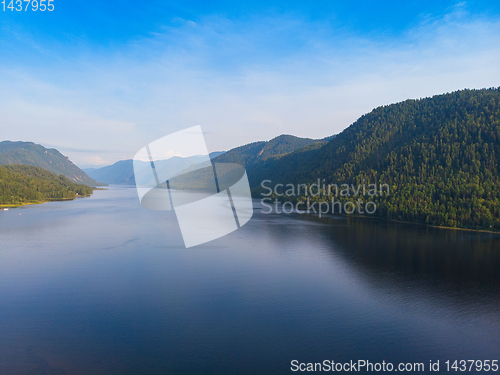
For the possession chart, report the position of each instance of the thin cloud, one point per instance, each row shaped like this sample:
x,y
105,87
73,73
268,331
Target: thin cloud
x,y
82,150
242,81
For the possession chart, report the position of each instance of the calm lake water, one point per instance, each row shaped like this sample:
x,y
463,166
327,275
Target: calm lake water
x,y
100,285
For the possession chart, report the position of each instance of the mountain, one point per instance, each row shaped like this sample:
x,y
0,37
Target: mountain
x,y
22,184
440,157
29,153
260,151
122,172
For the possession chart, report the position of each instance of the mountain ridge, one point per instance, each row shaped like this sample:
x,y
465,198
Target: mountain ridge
x,y
262,150
122,171
50,159
440,156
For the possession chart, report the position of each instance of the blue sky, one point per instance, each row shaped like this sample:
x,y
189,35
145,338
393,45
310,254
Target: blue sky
x,y
100,79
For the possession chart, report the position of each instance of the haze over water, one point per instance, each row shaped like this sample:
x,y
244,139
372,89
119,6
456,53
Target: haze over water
x,y
100,285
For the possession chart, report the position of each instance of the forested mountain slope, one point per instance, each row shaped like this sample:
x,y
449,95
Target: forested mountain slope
x,y
21,184
260,151
439,155
29,153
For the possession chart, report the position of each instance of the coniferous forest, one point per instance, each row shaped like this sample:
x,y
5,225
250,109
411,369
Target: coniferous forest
x,y
439,155
22,184
29,153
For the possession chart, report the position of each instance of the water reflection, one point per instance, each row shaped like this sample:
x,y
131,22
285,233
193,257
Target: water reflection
x,y
102,286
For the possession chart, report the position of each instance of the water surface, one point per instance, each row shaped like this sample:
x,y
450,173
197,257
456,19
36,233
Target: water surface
x,y
100,285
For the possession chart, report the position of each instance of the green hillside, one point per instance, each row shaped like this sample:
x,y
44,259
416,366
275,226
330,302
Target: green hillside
x,y
22,184
29,153
439,155
260,151
122,172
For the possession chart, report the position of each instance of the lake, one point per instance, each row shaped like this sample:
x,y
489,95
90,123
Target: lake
x,y
100,285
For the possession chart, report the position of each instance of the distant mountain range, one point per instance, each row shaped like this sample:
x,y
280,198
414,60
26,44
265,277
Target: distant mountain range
x,y
254,156
29,153
122,172
439,157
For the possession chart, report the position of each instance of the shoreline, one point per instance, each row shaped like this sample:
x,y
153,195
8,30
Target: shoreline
x,y
421,224
2,206
400,221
